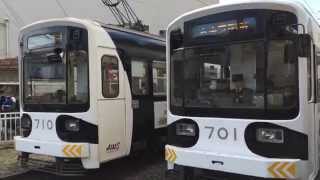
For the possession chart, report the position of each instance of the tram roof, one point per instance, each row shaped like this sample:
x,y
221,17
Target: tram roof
x,y
138,43
132,32
255,4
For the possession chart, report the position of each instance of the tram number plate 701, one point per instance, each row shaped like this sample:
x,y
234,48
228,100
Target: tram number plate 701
x,y
43,124
221,133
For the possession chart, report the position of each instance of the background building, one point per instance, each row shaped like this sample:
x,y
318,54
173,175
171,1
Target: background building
x,y
15,14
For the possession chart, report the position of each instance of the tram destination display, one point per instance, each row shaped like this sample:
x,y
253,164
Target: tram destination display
x,y
224,27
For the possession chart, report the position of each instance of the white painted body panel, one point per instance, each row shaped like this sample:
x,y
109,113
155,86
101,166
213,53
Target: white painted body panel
x,y
48,148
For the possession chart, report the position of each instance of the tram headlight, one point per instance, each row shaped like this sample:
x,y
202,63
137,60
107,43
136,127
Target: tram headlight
x,y
185,129
270,135
72,125
26,125
26,122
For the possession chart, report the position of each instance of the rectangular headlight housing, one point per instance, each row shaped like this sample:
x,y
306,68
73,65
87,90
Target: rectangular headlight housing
x,y
270,135
185,129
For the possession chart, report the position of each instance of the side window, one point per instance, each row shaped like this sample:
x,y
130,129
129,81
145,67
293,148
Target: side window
x,y
110,76
159,78
140,77
317,59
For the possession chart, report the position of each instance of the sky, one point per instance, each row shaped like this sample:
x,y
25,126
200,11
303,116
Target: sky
x,y
315,4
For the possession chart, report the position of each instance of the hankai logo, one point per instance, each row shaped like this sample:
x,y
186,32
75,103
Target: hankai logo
x,y
113,147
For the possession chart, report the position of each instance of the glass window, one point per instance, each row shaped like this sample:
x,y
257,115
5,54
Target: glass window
x,y
281,75
235,80
44,40
110,76
140,77
78,77
44,80
57,75
159,78
56,78
3,37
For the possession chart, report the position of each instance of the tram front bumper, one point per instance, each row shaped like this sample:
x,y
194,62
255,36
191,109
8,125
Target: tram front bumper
x,y
250,166
56,149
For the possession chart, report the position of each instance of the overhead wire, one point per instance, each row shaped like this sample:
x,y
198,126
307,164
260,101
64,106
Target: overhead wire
x,y
62,8
202,2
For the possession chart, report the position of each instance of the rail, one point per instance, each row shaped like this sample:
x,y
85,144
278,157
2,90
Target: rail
x,y
10,126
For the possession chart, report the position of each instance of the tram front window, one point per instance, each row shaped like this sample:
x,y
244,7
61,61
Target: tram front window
x,y
55,78
237,80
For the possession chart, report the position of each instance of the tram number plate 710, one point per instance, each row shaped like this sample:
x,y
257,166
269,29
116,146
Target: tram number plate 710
x,y
221,133
43,124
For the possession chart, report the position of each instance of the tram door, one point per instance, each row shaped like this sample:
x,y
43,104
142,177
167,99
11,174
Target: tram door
x,y
142,103
111,106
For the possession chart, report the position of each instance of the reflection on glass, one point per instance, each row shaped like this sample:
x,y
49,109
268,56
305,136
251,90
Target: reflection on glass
x,y
159,78
46,80
44,40
233,77
110,77
140,77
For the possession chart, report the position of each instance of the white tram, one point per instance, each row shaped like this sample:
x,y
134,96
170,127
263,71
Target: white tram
x,y
244,92
90,93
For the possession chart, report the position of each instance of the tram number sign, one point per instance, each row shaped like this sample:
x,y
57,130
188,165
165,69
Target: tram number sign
x,y
221,133
43,124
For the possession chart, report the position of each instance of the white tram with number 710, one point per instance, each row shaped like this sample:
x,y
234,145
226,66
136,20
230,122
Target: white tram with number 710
x,y
90,93
244,91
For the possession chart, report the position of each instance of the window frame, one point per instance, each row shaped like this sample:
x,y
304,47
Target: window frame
x,y
103,80
165,79
5,22
148,75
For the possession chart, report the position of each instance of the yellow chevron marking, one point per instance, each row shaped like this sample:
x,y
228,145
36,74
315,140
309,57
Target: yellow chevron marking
x,y
79,150
271,169
292,169
170,155
166,154
72,150
65,150
283,170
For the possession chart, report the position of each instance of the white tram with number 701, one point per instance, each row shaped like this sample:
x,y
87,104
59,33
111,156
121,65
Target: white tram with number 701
x,y
244,91
90,93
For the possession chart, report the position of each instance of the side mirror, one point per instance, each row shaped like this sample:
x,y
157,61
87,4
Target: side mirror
x,y
304,45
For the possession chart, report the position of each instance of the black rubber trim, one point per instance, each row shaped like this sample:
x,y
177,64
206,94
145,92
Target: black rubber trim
x,y
182,141
295,144
26,132
88,132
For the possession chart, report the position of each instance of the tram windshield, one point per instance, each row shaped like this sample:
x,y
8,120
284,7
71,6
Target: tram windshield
x,y
254,79
55,73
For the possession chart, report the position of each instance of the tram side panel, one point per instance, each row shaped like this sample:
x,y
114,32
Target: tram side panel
x,y
112,106
145,68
